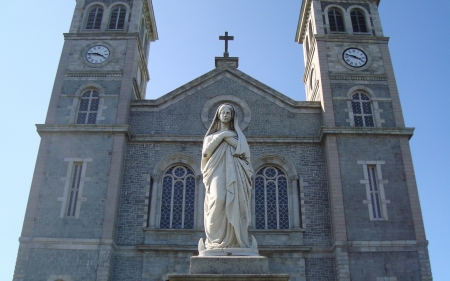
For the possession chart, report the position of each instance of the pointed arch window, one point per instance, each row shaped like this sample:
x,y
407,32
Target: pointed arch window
x,y
178,198
362,110
95,17
117,20
87,112
358,21
271,199
336,21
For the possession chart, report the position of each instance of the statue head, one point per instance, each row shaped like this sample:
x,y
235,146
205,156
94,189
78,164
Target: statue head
x,y
225,113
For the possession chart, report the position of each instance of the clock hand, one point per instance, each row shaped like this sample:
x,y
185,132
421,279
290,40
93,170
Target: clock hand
x,y
96,54
355,57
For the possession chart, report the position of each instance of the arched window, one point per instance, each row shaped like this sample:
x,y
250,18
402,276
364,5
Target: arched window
x,y
94,20
178,198
271,199
87,112
307,47
117,20
358,21
312,79
362,110
336,21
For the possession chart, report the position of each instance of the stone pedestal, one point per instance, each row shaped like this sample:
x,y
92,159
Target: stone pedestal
x,y
229,265
229,268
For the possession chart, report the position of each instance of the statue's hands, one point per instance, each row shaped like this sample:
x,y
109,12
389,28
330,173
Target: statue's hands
x,y
227,134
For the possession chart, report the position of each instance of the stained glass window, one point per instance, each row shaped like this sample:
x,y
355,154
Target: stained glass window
x,y
271,199
358,21
94,20
336,21
178,198
117,20
87,112
74,189
362,110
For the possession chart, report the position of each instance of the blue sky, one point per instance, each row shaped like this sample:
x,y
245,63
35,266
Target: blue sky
x,y
264,33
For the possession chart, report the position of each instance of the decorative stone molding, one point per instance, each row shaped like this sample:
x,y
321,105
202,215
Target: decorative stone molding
x,y
210,107
361,78
93,74
324,131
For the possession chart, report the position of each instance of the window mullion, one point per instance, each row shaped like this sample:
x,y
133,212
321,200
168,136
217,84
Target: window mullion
x,y
265,203
184,203
277,203
171,201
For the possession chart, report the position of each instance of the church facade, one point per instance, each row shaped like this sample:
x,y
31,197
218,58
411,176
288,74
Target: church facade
x,y
117,192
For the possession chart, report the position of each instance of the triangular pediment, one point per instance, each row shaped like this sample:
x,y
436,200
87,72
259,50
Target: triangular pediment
x,y
236,76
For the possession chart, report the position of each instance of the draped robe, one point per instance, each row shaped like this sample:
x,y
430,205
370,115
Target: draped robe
x,y
227,177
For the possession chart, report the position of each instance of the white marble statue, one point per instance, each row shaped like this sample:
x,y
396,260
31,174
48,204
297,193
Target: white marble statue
x,y
227,176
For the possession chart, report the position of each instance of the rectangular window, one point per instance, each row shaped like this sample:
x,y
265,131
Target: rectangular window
x,y
74,181
374,183
74,189
374,193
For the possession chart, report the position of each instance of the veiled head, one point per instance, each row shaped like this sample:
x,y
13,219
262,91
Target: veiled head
x,y
225,113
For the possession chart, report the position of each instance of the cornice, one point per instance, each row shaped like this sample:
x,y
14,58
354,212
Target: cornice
x,y
194,248
93,74
101,35
199,139
81,128
150,19
370,131
352,39
358,77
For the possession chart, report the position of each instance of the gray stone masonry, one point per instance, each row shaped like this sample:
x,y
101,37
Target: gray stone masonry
x,y
229,265
359,227
370,266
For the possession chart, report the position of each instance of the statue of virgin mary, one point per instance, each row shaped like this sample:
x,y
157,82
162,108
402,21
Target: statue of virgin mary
x,y
227,176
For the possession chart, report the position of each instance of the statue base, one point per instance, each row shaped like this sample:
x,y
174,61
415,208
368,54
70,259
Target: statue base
x,y
229,265
230,268
252,251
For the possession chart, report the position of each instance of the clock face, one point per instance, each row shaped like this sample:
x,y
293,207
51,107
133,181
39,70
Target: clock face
x,y
97,54
354,57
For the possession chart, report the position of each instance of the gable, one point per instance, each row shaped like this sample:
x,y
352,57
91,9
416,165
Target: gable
x,y
189,109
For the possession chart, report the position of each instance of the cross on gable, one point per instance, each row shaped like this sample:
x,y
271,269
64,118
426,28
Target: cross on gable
x,y
226,38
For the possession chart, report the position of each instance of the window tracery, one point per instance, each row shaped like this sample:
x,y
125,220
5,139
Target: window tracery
x,y
362,110
271,199
178,198
87,111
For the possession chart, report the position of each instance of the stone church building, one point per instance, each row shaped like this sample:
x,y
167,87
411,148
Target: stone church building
x,y
117,192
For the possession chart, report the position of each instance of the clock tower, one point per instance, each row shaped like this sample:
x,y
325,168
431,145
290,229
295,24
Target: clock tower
x,y
73,203
377,226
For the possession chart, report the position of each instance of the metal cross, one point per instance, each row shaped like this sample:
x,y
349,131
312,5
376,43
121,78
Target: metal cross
x,y
226,38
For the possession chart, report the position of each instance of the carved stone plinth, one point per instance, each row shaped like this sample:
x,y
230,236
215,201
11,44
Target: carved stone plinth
x,y
229,265
229,268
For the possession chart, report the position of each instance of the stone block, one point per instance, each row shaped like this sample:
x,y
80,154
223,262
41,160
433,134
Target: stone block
x,y
221,277
229,265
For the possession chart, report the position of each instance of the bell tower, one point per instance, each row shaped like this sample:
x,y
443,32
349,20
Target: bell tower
x,y
73,203
377,223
